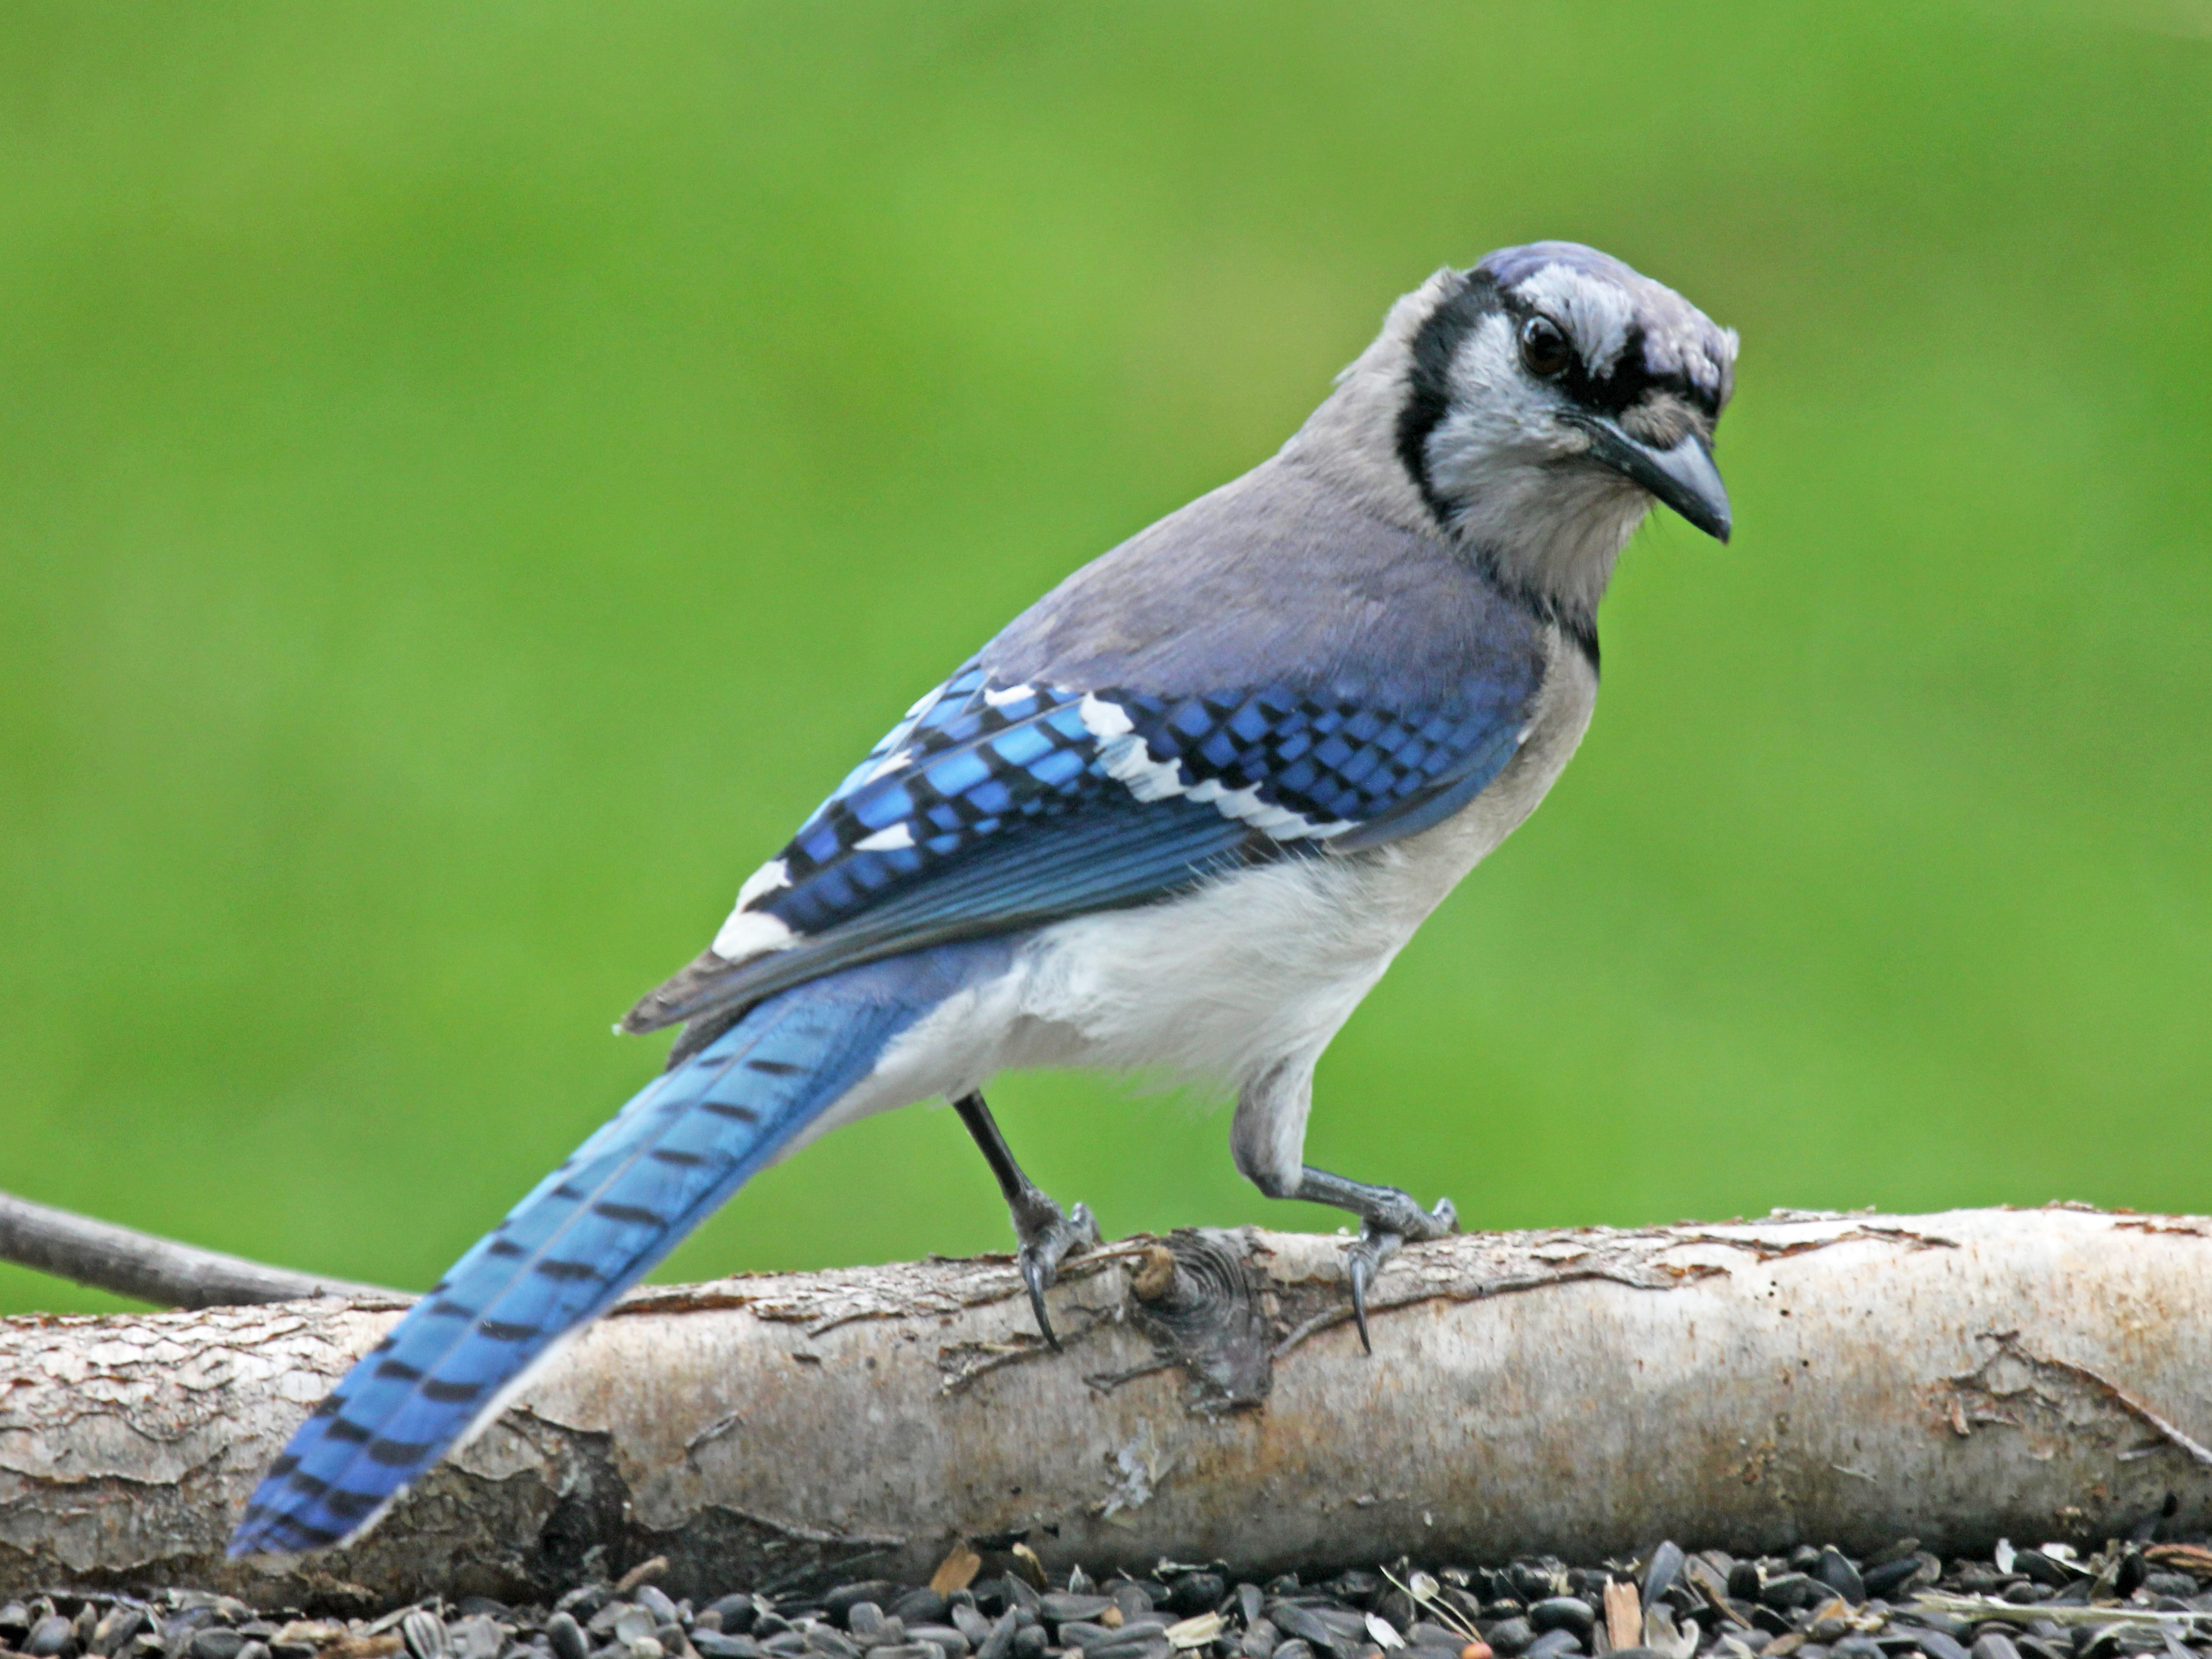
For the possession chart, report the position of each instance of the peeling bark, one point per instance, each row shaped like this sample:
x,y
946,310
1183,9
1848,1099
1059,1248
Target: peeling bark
x,y
2043,1374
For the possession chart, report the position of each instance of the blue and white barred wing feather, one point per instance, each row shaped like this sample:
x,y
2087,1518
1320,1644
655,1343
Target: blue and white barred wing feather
x,y
994,808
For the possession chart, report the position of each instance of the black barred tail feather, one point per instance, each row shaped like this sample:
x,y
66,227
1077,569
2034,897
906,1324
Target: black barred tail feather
x,y
590,1230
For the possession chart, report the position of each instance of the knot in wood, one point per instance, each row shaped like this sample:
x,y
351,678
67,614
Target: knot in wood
x,y
1197,1298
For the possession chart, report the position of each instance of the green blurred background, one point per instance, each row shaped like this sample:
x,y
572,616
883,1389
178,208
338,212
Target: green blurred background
x,y
472,477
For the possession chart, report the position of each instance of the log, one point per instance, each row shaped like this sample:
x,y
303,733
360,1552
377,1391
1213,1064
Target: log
x,y
2041,1374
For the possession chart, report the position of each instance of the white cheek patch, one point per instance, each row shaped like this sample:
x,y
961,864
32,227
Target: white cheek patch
x,y
1125,758
1488,364
1597,313
1500,429
1494,406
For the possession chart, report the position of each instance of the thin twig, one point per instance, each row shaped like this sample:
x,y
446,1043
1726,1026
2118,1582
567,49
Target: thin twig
x,y
157,1270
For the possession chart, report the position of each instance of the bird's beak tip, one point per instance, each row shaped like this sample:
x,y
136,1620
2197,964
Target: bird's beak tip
x,y
1685,479
1683,475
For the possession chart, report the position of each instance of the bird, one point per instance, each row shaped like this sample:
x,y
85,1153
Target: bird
x,y
1178,816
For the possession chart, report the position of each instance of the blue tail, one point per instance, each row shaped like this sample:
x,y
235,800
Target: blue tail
x,y
681,1146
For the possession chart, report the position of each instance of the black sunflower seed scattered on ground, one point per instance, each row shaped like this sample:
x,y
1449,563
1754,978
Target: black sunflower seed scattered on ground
x,y
2048,1601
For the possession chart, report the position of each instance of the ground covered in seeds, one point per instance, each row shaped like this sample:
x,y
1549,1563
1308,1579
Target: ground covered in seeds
x,y
2042,1602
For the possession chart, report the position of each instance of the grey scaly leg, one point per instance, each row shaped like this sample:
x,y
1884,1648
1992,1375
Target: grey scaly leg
x,y
1268,1139
1048,1235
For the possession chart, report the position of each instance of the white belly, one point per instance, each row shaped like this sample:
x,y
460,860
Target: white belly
x,y
1266,964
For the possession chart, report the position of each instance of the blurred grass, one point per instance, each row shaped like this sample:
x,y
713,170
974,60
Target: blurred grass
x,y
471,479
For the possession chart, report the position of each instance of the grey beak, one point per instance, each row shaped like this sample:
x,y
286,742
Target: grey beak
x,y
1684,476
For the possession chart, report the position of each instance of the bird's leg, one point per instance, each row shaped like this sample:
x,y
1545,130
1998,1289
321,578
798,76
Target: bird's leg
x,y
1048,1235
1388,1218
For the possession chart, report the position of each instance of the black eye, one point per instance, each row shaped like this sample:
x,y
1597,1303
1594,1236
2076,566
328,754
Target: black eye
x,y
1544,348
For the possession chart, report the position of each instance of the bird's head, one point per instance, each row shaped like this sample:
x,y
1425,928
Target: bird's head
x,y
1534,407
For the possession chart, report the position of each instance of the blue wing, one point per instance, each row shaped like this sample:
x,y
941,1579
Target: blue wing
x,y
992,808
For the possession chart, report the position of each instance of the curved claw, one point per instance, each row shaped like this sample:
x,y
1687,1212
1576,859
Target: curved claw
x,y
1043,1251
1365,1255
1038,1275
1363,1259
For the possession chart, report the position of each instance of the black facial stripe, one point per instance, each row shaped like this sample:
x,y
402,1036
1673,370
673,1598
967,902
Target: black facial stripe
x,y
1628,378
1428,387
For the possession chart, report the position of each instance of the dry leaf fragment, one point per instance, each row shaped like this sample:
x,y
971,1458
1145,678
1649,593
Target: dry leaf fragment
x,y
2190,1558
1195,1632
1624,1614
956,1570
309,1633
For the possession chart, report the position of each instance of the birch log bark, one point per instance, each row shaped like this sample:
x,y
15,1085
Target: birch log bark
x,y
2043,1374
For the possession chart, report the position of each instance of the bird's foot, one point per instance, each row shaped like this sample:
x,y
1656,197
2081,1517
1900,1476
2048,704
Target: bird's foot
x,y
1385,1231
1048,1237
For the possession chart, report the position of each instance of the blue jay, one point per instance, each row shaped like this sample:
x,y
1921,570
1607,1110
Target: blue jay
x,y
1179,815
